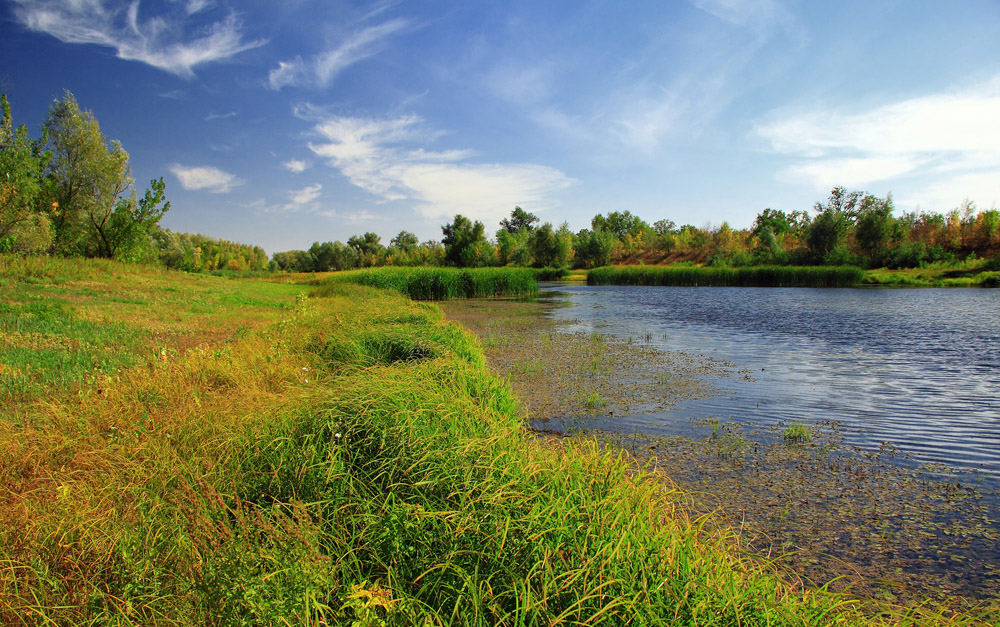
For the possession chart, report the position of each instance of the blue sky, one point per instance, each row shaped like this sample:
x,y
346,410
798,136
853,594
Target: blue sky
x,y
281,124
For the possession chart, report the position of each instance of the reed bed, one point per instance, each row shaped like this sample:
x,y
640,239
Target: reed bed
x,y
353,462
445,283
756,276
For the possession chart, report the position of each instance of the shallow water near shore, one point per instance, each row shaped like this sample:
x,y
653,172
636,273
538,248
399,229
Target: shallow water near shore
x,y
919,369
686,395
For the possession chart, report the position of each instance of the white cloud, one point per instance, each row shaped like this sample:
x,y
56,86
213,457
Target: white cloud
x,y
305,195
296,166
220,116
373,156
298,200
205,178
941,141
323,68
158,41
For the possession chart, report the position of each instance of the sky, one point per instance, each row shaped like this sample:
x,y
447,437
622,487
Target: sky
x,y
280,124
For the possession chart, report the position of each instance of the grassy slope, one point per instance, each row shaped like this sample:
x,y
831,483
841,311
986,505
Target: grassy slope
x,y
268,459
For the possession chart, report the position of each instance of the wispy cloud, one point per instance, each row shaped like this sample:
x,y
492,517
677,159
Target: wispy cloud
x,y
298,200
953,136
207,178
379,156
159,41
760,15
296,166
323,68
221,116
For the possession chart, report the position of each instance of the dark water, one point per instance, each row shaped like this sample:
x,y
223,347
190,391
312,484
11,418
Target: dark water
x,y
917,368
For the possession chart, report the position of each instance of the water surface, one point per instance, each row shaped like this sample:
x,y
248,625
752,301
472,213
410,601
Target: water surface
x,y
917,368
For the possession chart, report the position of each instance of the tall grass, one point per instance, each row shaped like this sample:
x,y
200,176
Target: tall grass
x,y
352,462
445,283
756,276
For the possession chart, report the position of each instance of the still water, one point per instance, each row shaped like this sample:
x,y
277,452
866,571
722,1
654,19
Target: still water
x,y
919,369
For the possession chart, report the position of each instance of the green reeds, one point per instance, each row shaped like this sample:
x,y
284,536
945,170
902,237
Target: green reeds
x,y
755,276
443,283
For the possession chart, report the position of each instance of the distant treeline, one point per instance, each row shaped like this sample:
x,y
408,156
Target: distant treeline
x,y
849,229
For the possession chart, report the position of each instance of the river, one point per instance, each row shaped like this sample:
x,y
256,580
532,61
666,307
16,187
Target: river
x,y
918,369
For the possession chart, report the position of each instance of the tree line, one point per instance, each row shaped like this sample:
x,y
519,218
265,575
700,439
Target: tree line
x,y
70,192
849,228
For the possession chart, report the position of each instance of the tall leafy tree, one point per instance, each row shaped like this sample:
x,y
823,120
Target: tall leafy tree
x,y
22,225
97,211
519,220
461,237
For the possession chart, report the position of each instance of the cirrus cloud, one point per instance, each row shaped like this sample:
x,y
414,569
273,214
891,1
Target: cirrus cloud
x,y
160,41
212,179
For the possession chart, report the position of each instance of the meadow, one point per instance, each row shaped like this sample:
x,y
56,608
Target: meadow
x,y
182,450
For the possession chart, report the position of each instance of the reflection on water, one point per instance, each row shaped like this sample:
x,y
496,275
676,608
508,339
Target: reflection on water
x,y
917,368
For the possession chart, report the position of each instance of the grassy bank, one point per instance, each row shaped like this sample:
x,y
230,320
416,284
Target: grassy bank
x,y
443,283
756,276
270,459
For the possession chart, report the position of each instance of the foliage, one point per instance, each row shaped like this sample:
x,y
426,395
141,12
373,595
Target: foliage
x,y
96,211
445,283
758,276
520,220
463,242
22,226
201,253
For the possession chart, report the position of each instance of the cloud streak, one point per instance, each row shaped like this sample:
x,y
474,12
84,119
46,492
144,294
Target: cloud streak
x,y
208,178
324,68
937,138
158,41
378,156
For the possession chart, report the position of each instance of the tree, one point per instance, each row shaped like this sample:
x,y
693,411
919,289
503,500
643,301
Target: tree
x,y
621,224
22,225
519,220
369,247
876,228
594,248
90,184
405,241
460,236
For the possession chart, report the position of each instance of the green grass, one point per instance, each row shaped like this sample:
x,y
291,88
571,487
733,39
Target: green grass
x,y
757,276
443,283
345,459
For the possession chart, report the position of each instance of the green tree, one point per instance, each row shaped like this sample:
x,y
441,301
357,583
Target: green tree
x,y
460,236
594,248
369,247
876,228
621,224
23,226
519,220
95,214
405,241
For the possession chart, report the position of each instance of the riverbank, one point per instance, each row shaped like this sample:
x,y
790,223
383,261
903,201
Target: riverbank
x,y
217,451
870,522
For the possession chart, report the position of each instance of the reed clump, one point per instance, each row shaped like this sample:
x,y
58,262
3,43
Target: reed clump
x,y
753,276
444,283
